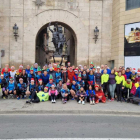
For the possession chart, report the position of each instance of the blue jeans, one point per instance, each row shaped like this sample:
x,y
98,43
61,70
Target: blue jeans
x,y
112,90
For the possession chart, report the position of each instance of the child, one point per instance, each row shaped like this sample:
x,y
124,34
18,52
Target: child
x,y
68,84
53,93
74,89
91,94
81,95
65,93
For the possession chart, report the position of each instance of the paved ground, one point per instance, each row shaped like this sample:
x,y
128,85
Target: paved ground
x,y
19,106
69,126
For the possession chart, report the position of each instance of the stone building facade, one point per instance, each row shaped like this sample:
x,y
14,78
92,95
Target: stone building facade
x,y
79,16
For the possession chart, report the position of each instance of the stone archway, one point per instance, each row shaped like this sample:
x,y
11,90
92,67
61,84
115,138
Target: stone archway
x,y
56,15
43,39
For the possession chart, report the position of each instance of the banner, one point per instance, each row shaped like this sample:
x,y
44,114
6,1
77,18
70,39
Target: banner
x,y
132,39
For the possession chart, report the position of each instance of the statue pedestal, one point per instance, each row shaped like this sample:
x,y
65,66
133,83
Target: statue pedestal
x,y
58,60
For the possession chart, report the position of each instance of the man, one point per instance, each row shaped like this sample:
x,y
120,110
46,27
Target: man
x,y
21,89
58,74
6,75
50,82
70,74
85,67
52,72
31,74
102,67
35,68
12,72
64,75
128,73
11,88
6,66
28,69
39,74
3,84
68,65
45,78
108,70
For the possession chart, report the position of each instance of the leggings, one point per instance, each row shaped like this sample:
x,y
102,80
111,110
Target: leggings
x,y
105,88
53,97
119,92
91,98
112,88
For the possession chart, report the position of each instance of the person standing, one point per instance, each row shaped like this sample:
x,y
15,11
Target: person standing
x,y
112,84
98,76
120,83
104,82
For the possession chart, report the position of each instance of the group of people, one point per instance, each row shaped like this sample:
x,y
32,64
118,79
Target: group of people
x,y
52,82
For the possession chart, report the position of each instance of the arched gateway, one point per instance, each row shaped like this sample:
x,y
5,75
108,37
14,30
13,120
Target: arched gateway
x,y
67,20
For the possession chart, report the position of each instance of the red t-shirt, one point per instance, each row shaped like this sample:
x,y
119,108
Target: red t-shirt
x,y
3,70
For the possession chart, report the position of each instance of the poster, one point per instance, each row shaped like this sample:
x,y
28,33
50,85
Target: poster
x,y
132,39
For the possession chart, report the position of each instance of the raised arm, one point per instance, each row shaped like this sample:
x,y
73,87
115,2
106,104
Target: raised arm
x,y
50,28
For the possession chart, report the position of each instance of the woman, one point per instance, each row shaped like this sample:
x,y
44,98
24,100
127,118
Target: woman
x,y
104,82
91,80
124,75
68,83
99,95
81,96
90,95
65,92
120,83
112,84
24,76
40,86
98,75
85,79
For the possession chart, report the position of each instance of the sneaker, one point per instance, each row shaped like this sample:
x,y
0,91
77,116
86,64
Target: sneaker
x,y
90,102
72,98
79,102
93,102
54,101
18,98
112,99
63,101
83,103
4,97
28,102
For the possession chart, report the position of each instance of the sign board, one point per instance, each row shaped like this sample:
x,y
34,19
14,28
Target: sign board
x,y
132,61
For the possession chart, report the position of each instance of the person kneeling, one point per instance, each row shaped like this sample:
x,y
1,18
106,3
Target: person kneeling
x,y
11,89
53,93
65,94
81,95
99,95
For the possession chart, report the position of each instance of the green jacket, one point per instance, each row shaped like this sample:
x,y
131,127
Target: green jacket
x,y
120,80
104,78
128,85
43,96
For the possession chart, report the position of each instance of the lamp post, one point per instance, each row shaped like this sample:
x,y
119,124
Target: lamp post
x,y
15,31
96,34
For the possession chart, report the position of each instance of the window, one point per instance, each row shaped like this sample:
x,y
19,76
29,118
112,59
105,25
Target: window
x,y
132,4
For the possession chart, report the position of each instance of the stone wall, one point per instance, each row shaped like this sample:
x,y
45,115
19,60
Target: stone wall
x,y
82,18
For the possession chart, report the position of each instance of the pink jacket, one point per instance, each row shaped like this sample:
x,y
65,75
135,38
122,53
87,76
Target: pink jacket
x,y
133,90
52,92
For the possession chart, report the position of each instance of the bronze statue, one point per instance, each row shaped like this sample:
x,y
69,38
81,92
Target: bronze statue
x,y
58,38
